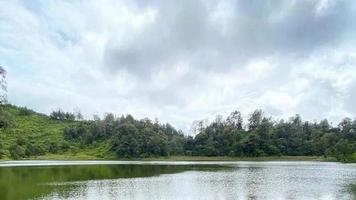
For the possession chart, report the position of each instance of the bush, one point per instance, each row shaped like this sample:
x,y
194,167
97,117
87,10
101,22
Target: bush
x,y
5,119
34,150
65,146
2,152
17,152
53,147
21,140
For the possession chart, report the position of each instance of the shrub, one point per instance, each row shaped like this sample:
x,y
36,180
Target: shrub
x,y
65,146
34,150
21,140
16,152
53,147
5,119
2,152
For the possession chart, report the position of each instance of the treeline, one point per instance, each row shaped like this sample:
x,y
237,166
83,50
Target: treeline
x,y
24,133
260,136
129,137
61,115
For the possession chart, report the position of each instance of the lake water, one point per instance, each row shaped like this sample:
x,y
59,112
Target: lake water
x,y
176,180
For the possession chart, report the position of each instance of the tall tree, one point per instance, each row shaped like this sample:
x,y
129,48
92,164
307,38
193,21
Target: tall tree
x,y
235,120
3,85
255,119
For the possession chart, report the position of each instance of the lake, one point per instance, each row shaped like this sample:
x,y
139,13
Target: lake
x,y
176,180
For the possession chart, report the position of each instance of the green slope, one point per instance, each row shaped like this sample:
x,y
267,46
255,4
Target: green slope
x,y
32,135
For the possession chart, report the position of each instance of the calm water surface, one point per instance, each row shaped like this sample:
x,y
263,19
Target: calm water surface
x,y
176,180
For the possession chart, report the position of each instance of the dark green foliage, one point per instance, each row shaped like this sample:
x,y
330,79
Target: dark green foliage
x,y
17,152
21,140
2,153
129,137
5,118
65,146
53,147
125,141
81,132
34,150
268,138
60,115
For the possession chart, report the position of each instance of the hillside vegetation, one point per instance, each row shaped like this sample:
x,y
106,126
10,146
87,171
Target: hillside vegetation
x,y
27,134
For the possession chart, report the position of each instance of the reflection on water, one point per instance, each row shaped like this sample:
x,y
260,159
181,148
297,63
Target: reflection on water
x,y
236,180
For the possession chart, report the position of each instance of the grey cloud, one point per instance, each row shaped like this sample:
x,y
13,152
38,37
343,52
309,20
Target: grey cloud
x,y
185,30
350,105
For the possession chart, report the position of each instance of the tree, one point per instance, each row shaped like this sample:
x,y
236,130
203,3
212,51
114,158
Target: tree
x,y
78,114
17,151
3,85
60,115
255,119
235,120
198,126
343,149
125,142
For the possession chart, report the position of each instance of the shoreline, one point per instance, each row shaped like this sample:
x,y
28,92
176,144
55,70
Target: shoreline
x,y
178,158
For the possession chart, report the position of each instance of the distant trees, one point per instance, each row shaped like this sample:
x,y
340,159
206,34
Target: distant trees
x,y
129,137
60,115
266,137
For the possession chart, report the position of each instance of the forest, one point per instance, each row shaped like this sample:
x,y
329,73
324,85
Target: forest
x,y
27,134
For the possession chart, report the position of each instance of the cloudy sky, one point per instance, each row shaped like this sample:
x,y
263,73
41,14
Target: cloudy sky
x,y
181,60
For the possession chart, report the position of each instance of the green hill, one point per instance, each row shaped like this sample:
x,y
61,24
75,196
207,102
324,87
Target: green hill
x,y
25,134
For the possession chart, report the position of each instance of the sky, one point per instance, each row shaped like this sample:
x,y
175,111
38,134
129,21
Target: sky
x,y
181,61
